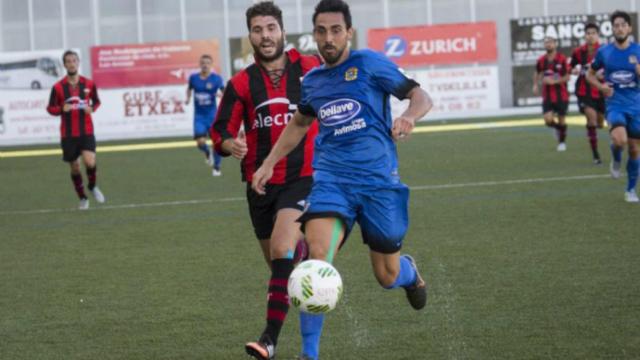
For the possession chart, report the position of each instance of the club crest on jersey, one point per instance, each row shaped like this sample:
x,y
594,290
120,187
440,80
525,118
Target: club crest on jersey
x,y
338,111
351,74
633,59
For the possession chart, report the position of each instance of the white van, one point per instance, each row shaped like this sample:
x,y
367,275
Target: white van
x,y
36,73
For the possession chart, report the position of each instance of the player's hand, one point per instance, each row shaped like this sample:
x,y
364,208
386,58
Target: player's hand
x,y
549,81
89,110
535,89
606,90
402,127
239,146
261,178
67,107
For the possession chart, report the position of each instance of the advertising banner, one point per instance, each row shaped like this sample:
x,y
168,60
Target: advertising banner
x,y
420,46
151,64
527,45
26,78
456,91
241,52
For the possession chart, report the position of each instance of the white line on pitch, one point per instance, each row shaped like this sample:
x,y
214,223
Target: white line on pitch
x,y
234,199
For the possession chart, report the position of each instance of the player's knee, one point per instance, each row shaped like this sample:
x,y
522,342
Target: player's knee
x,y
386,275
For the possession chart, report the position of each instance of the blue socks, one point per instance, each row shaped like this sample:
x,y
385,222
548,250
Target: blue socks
x,y
311,329
632,173
205,149
217,159
616,153
407,275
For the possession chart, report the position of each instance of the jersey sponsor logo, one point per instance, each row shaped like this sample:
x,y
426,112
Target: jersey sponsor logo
x,y
209,86
338,111
355,125
281,119
622,77
351,74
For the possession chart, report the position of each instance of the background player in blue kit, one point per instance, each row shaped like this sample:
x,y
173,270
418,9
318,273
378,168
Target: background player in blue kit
x,y
205,86
621,89
355,160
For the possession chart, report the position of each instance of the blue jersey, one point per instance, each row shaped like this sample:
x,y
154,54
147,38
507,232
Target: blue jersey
x,y
351,102
204,92
620,73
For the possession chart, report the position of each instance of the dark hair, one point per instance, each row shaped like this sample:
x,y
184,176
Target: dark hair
x,y
620,14
264,8
592,26
67,53
206,56
326,6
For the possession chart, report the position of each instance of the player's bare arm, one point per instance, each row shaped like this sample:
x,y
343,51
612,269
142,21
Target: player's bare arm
x,y
537,77
419,105
290,138
604,88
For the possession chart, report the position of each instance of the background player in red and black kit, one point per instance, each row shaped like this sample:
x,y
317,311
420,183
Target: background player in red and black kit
x,y
262,99
590,101
74,99
552,70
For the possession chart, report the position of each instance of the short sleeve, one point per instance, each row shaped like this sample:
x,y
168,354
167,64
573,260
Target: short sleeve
x,y
389,76
598,61
191,82
304,106
539,66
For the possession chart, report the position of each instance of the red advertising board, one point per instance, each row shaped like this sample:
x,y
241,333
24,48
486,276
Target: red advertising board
x,y
418,46
151,64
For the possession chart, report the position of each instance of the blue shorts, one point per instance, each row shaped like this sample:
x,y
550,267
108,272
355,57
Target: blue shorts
x,y
201,124
628,120
381,212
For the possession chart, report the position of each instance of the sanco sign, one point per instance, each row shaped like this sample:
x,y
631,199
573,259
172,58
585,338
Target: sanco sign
x,y
439,44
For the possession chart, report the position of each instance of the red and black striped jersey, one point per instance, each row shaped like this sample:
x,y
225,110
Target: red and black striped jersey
x,y
556,68
76,122
252,100
583,57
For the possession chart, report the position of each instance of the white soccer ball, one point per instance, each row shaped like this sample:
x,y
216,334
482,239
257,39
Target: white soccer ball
x,y
315,286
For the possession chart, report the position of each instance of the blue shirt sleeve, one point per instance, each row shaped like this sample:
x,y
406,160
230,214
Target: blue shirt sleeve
x,y
598,61
220,83
389,76
304,106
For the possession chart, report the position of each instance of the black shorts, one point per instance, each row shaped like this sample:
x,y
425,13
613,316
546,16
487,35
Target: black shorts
x,y
595,104
559,107
72,147
263,208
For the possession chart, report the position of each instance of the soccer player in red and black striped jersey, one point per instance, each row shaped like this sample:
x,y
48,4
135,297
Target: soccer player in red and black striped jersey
x,y
552,70
590,101
261,99
74,99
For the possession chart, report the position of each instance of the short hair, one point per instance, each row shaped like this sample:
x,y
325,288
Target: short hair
x,y
206,56
620,14
264,8
67,53
340,6
592,26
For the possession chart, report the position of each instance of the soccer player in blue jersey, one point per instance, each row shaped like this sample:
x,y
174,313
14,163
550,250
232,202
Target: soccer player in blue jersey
x,y
205,85
620,61
355,160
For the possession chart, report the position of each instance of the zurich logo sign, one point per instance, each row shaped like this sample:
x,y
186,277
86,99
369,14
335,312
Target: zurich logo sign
x,y
338,111
395,46
622,77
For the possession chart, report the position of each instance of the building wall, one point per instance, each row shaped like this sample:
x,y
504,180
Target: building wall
x,y
54,24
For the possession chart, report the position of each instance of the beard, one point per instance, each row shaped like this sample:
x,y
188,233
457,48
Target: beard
x,y
331,59
72,73
621,39
279,44
549,51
